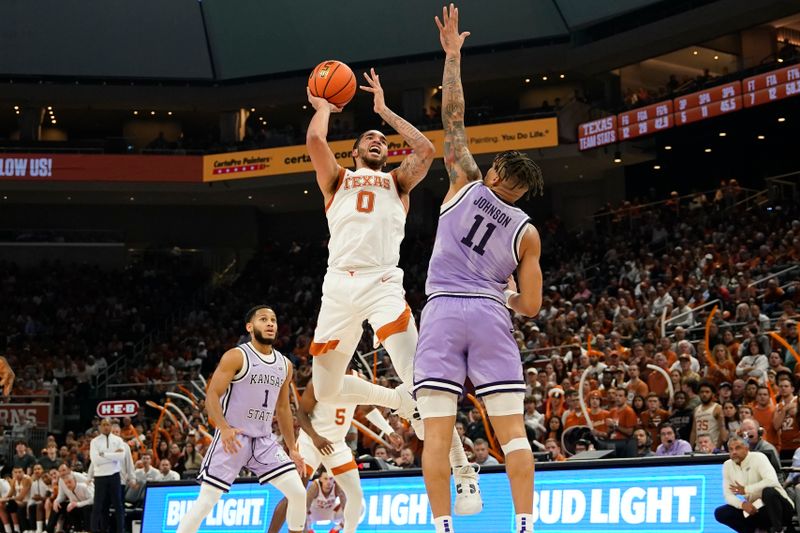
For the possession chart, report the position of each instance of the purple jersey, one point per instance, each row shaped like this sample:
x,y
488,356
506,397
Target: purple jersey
x,y
477,245
249,402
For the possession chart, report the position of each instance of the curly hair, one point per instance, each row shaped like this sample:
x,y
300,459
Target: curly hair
x,y
519,166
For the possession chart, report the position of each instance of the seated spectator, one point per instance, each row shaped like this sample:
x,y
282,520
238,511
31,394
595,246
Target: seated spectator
x,y
49,459
751,433
136,487
23,458
554,448
644,443
670,443
482,455
706,445
407,459
165,472
192,458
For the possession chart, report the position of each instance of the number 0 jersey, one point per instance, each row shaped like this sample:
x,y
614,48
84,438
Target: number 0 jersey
x,y
366,220
477,245
249,403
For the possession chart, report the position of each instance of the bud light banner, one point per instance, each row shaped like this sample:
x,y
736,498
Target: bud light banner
x,y
669,498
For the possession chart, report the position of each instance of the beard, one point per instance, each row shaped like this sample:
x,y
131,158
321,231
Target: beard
x,y
371,161
262,339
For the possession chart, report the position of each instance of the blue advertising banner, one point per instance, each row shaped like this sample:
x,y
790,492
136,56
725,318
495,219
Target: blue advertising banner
x,y
668,498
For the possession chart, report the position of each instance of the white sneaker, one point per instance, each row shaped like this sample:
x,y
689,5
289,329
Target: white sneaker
x,y
468,493
408,410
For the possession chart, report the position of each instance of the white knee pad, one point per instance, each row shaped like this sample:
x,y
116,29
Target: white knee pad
x,y
514,445
291,487
504,403
435,403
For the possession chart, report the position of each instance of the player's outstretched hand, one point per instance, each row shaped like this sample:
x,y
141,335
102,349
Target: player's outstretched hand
x,y
451,40
319,103
298,460
323,445
229,441
375,88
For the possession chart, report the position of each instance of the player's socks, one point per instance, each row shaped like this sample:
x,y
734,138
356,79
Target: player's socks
x,y
39,526
458,456
357,390
443,524
524,523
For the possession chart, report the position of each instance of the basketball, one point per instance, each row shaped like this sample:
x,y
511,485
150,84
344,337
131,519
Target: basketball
x,y
333,81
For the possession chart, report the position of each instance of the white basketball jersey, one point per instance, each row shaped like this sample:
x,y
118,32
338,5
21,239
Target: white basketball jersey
x,y
366,220
332,421
324,502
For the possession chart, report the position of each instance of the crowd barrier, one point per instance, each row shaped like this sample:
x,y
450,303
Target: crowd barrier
x,y
673,494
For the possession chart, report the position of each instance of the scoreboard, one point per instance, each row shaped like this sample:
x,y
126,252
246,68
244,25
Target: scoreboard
x,y
708,103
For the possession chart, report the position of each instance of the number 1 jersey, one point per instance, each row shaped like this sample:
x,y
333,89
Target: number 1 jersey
x,y
366,220
477,245
249,403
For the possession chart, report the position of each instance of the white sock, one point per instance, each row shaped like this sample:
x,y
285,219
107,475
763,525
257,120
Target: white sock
x,y
39,526
359,391
8,528
524,523
458,456
444,524
351,485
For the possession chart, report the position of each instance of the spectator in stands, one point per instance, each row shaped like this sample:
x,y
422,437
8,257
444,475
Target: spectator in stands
x,y
407,459
653,416
23,458
466,442
753,365
144,473
554,449
555,427
752,434
482,455
670,443
751,475
49,459
763,413
165,472
192,458
725,369
706,445
731,413
644,443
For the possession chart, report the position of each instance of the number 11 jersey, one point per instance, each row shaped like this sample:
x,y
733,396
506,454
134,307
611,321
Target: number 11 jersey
x,y
366,220
477,245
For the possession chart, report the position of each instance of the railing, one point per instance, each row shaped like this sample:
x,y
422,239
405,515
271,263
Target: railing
x,y
774,275
686,313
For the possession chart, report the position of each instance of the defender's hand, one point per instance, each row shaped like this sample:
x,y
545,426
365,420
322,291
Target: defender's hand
x,y
451,40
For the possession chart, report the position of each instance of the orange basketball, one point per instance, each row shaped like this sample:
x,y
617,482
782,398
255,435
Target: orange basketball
x,y
333,81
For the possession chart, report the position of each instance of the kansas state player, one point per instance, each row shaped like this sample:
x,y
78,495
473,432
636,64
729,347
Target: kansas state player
x,y
466,330
250,384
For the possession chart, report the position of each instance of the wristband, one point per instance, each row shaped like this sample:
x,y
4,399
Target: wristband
x,y
508,294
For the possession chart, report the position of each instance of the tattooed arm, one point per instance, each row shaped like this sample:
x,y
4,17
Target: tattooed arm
x,y
414,167
460,165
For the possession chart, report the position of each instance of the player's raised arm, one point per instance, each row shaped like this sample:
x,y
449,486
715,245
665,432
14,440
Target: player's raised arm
x,y
528,300
322,157
229,365
414,167
461,167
